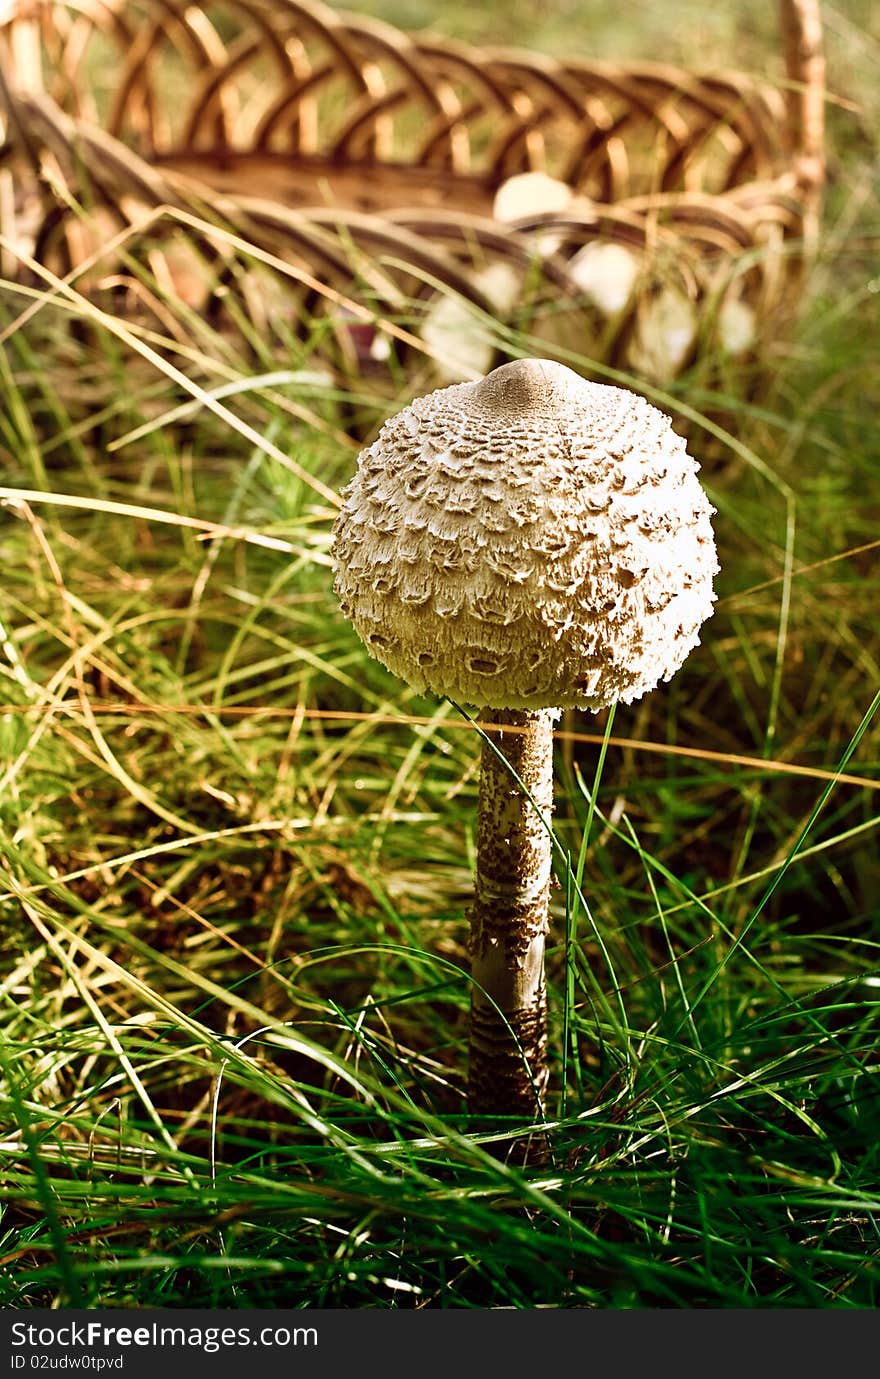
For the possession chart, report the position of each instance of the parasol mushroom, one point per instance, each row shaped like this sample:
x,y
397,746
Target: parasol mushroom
x,y
526,543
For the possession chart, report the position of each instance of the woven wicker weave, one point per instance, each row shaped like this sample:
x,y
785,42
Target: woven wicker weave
x,y
378,165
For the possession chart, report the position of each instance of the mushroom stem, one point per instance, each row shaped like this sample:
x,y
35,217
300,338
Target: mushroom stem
x,y
508,1052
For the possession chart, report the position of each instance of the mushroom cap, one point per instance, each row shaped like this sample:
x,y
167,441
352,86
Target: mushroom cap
x,y
528,541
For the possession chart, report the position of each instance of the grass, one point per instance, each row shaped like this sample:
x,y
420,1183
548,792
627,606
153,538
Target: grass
x,y
236,856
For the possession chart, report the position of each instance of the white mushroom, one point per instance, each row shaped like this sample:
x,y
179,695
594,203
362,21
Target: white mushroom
x,y
606,273
530,194
737,326
524,543
665,334
459,339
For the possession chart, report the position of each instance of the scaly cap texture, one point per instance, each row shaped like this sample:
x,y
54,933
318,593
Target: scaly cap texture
x,y
527,541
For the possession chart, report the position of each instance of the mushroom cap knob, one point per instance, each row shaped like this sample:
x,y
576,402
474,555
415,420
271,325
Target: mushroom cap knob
x,y
531,540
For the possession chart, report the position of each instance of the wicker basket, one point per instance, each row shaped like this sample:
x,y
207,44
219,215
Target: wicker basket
x,y
641,214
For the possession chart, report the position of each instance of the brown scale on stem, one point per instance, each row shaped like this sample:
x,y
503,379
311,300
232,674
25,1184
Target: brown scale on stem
x,y
509,917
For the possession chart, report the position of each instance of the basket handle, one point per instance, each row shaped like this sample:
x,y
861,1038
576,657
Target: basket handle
x,y
801,26
805,67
